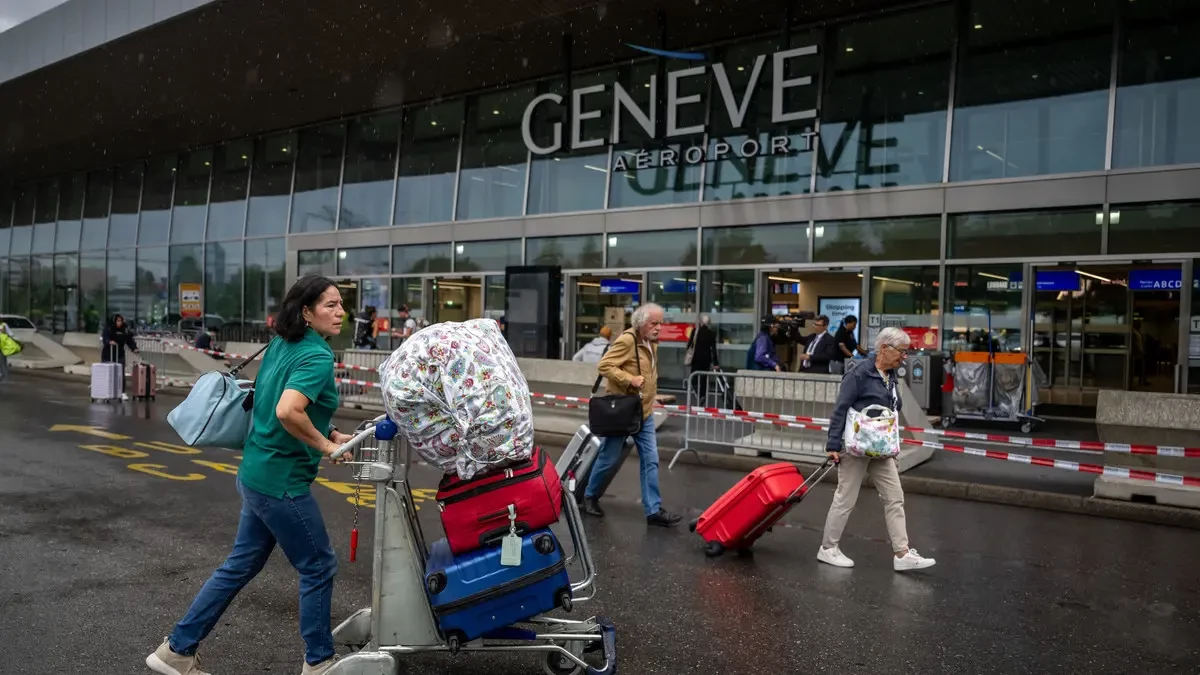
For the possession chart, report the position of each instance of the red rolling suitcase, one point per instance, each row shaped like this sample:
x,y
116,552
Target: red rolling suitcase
x,y
753,506
475,513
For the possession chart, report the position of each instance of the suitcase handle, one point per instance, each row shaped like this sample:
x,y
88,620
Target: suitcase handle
x,y
813,478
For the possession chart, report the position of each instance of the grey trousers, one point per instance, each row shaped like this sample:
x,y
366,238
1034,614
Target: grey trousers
x,y
886,479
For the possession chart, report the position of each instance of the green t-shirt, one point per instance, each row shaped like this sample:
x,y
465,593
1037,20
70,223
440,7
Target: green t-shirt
x,y
274,462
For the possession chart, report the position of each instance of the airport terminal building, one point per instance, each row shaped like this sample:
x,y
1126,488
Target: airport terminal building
x,y
1024,169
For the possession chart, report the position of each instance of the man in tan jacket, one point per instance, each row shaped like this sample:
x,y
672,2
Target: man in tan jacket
x,y
631,365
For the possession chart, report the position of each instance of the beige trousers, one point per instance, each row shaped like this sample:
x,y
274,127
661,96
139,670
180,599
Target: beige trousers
x,y
886,479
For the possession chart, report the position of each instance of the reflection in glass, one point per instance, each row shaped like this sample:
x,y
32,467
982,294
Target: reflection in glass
x,y
579,252
265,280
230,180
70,213
652,249
92,279
493,297
157,186
152,296
66,293
95,212
22,240
371,145
1032,94
405,293
752,167
908,297
271,185
1158,86
316,262
421,258
884,111
914,238
1019,234
728,297
355,261
569,180
756,245
191,196
982,298
187,267
122,284
223,282
481,256
428,161
318,174
492,180
126,200
1154,228
45,216
6,209
642,174
18,286
41,291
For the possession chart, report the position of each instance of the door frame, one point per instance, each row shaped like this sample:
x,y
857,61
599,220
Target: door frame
x,y
1187,294
570,289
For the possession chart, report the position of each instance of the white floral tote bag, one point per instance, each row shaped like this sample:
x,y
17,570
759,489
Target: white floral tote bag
x,y
873,432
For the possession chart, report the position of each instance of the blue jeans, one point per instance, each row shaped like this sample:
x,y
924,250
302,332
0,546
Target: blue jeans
x,y
646,441
294,523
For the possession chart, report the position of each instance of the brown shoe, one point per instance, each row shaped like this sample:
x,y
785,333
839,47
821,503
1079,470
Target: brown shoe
x,y
167,662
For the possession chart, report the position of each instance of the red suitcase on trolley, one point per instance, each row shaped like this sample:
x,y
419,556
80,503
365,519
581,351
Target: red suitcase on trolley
x,y
753,506
475,513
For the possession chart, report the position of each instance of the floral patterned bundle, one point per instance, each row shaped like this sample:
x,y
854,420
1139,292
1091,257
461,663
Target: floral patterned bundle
x,y
872,437
459,398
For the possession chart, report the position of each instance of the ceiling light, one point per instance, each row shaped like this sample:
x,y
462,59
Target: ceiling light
x,y
978,26
741,68
207,164
849,49
460,248
612,241
433,123
245,157
495,112
594,168
342,255
786,279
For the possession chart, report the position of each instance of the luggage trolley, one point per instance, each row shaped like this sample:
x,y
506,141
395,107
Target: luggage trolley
x,y
401,620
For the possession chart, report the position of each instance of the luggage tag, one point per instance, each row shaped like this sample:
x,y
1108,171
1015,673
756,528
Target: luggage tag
x,y
510,548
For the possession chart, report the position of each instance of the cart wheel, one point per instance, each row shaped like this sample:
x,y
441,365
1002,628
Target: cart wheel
x,y
745,552
1026,427
454,642
714,549
948,422
692,525
557,664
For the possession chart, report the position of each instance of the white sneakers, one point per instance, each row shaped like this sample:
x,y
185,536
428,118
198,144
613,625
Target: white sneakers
x,y
834,556
909,561
321,668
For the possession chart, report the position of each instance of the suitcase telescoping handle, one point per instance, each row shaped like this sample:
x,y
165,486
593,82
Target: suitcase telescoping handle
x,y
813,478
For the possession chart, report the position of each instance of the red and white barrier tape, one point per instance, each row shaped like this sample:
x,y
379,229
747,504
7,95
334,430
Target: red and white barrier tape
x,y
747,416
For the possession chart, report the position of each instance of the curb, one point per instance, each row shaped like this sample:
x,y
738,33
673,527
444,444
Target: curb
x,y
934,487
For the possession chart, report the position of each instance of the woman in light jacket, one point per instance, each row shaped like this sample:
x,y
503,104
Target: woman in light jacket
x,y
874,382
593,351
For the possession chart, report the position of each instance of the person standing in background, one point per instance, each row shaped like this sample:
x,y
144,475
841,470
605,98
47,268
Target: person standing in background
x,y
820,348
702,357
593,351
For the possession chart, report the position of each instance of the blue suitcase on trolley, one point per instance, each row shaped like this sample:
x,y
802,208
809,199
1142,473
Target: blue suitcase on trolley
x,y
473,594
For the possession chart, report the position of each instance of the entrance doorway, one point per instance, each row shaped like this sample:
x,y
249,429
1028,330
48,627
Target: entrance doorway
x,y
602,300
350,293
788,294
1106,326
456,299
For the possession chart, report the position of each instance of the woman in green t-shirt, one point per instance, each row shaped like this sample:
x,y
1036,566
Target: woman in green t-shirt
x,y
294,400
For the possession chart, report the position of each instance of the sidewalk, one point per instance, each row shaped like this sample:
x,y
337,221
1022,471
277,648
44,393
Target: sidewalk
x,y
946,474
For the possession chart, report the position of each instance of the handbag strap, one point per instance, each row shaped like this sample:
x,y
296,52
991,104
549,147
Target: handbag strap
x,y
637,357
253,356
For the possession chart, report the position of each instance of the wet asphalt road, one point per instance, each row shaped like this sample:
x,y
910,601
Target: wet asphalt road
x,y
104,542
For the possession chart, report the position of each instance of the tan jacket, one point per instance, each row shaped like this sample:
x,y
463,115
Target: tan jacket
x,y
619,367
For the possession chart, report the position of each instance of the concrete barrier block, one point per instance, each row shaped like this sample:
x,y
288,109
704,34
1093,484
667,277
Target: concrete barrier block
x,y
1132,489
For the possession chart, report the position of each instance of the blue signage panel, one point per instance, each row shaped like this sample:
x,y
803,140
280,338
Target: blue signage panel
x,y
1057,280
679,286
620,287
1156,280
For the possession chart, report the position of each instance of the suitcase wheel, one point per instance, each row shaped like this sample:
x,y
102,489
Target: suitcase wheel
x,y
436,583
454,642
714,549
544,544
564,600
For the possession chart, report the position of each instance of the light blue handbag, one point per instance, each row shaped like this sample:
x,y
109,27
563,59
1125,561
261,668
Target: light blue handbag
x,y
218,411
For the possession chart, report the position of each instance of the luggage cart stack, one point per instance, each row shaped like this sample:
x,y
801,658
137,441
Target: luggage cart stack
x,y
428,598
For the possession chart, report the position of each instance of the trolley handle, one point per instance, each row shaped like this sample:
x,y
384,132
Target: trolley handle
x,y
358,439
813,478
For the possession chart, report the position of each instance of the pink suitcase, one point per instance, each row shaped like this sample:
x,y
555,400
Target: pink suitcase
x,y
752,506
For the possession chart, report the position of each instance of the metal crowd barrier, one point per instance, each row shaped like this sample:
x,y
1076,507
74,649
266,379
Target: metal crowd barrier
x,y
766,395
358,376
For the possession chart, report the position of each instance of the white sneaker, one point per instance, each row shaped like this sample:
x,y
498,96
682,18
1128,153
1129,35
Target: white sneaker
x,y
834,556
911,561
321,668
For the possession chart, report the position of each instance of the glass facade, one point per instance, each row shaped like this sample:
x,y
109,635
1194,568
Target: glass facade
x,y
879,105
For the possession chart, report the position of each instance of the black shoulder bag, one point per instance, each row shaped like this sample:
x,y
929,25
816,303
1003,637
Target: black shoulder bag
x,y
616,414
